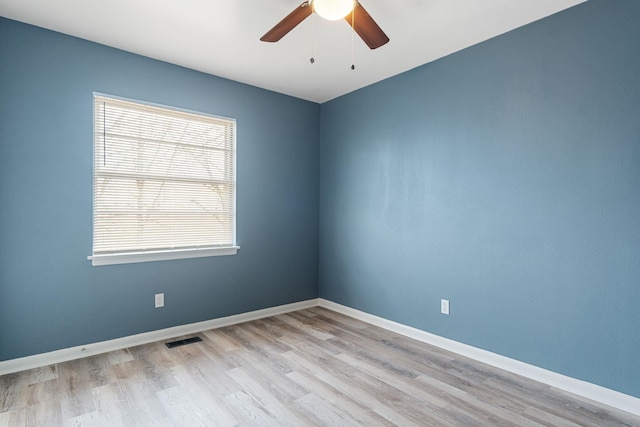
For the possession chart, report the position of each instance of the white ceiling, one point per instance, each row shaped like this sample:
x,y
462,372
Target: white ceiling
x,y
221,37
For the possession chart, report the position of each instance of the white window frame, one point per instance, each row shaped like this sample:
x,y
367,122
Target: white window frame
x,y
141,254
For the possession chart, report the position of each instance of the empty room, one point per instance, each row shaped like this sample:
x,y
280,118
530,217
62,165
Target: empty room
x,y
325,212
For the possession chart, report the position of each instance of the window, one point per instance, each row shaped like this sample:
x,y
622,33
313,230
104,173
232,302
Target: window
x,y
163,183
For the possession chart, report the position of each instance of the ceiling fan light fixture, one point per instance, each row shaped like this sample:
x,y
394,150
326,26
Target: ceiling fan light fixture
x,y
333,10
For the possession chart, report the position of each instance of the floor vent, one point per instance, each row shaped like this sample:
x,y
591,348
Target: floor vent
x,y
183,342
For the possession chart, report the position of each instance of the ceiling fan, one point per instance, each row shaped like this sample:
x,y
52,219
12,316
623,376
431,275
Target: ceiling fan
x,y
333,10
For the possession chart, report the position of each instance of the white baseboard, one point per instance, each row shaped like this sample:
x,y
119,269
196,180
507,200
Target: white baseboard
x,y
581,388
578,387
72,353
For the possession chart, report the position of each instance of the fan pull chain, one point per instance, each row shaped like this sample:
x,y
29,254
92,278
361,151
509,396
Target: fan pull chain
x,y
313,38
353,30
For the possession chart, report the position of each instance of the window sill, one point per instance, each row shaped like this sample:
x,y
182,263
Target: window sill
x,y
133,257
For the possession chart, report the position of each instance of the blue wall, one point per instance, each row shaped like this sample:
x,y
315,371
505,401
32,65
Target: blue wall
x,y
505,178
50,296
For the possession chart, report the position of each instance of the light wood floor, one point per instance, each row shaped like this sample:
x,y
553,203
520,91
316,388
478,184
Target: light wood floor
x,y
311,367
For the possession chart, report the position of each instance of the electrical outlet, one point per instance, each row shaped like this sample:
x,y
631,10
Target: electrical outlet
x,y
444,306
159,300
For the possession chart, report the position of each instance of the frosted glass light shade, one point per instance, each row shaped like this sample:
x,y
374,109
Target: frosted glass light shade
x,y
333,9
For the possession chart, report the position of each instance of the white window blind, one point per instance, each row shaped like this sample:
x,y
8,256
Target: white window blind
x,y
164,181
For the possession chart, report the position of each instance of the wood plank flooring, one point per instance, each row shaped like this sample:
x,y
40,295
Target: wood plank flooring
x,y
310,367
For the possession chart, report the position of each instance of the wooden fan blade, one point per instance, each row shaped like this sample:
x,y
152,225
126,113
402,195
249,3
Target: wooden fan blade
x,y
289,22
366,27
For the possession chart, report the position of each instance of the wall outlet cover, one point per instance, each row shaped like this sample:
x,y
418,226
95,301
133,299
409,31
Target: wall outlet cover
x,y
159,300
444,306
